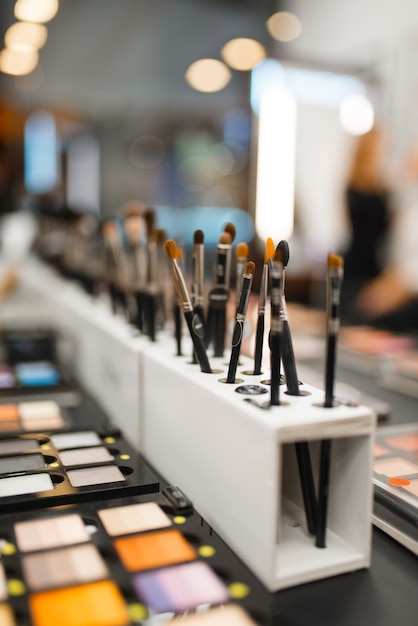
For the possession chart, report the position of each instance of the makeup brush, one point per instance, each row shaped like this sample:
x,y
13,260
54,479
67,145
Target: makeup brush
x,y
276,324
247,281
241,253
198,280
287,354
262,299
194,323
301,447
134,229
177,310
230,229
334,284
218,296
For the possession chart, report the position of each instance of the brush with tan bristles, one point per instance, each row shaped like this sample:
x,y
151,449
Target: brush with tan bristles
x,y
241,255
247,280
194,323
335,271
262,299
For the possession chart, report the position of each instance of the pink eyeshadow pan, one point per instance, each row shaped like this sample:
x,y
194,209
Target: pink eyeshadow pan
x,y
404,442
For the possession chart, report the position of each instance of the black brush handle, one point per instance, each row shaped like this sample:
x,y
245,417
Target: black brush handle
x,y
307,484
259,339
288,360
195,327
275,369
198,310
330,370
236,349
177,328
323,491
219,328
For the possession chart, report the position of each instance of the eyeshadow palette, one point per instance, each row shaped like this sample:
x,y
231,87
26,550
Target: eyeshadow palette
x,y
395,481
130,561
40,470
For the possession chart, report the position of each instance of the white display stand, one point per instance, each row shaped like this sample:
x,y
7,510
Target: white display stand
x,y
237,463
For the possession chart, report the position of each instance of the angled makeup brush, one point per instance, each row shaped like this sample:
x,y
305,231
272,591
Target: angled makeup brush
x,y
262,299
194,323
218,296
241,253
276,324
287,354
247,281
334,283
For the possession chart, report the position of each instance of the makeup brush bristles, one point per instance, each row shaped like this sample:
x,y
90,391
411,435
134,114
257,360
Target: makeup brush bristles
x,y
335,260
198,237
269,251
230,228
225,239
241,251
249,268
170,249
284,247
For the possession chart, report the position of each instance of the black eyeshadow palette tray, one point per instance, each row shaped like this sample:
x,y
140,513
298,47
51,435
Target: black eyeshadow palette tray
x,y
38,470
138,557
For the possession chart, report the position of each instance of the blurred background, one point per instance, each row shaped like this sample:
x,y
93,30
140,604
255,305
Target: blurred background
x,y
248,111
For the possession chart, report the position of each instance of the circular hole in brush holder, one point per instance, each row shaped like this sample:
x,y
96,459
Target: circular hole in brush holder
x,y
236,381
321,405
126,471
251,373
268,381
302,392
251,390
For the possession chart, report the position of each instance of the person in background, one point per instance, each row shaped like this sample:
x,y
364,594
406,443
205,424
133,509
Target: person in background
x,y
390,300
368,211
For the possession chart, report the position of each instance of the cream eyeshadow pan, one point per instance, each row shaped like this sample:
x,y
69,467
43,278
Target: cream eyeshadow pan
x,y
52,532
133,518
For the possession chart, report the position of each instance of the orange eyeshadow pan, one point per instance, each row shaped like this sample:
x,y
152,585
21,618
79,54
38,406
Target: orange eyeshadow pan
x,y
81,605
151,550
9,413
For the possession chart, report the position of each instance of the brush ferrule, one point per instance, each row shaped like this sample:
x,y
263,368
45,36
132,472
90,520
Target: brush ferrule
x,y
180,286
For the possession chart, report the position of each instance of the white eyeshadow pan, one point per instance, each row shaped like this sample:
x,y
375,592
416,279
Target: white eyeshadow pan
x,y
35,410
86,456
76,440
30,483
66,566
95,476
132,518
50,532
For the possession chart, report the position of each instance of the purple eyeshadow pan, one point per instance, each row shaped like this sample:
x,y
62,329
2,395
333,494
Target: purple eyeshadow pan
x,y
180,588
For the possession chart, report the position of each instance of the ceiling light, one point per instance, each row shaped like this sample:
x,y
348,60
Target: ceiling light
x,y
243,53
26,33
208,75
17,61
356,114
36,10
284,26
